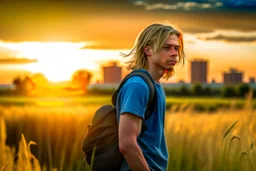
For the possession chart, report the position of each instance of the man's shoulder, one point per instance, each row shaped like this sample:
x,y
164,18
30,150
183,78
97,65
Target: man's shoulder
x,y
137,80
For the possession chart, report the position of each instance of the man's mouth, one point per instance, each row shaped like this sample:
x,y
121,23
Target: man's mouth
x,y
172,62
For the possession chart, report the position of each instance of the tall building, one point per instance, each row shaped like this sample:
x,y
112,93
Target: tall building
x,y
252,80
233,76
199,71
112,74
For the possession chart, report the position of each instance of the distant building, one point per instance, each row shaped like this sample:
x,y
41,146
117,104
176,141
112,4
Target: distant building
x,y
199,71
112,74
252,80
233,76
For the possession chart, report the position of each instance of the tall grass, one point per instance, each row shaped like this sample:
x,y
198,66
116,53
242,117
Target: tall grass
x,y
57,131
196,141
223,141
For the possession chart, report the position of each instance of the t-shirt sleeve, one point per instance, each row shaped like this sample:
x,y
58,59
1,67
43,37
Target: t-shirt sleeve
x,y
134,99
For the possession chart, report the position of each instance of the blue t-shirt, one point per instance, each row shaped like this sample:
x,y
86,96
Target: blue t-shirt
x,y
133,98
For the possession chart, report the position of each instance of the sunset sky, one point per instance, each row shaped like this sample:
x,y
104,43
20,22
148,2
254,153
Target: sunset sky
x,y
58,38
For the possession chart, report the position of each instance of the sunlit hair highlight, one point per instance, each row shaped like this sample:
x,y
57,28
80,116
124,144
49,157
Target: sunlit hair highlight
x,y
155,35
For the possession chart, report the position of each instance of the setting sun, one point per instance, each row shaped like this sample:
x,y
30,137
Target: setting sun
x,y
56,60
59,60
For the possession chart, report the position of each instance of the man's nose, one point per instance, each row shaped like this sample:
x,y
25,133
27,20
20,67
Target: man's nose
x,y
173,52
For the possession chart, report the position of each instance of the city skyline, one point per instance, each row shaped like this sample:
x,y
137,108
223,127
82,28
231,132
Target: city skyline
x,y
199,74
98,75
113,72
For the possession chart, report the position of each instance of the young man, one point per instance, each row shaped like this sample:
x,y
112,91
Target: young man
x,y
158,48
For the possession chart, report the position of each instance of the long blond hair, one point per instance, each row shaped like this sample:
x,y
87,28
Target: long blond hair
x,y
154,35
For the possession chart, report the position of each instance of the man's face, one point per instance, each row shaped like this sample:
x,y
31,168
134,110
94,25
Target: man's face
x,y
167,57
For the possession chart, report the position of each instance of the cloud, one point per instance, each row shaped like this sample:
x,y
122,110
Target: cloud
x,y
229,36
240,3
231,39
14,61
186,6
197,4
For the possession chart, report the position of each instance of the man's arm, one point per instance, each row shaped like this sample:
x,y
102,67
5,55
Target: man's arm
x,y
129,129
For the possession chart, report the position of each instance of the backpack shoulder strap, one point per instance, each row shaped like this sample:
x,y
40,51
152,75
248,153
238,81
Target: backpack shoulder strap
x,y
152,91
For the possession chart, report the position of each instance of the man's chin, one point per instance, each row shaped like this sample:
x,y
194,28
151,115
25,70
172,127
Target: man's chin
x,y
170,68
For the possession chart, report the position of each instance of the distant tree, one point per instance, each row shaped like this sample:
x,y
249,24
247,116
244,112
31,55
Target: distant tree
x,y
184,91
28,84
216,91
170,91
197,89
81,79
243,89
24,86
39,79
228,91
207,91
17,83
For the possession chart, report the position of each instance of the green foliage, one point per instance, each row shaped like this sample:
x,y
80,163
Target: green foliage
x,y
197,89
243,89
207,91
171,91
99,91
201,104
228,91
184,91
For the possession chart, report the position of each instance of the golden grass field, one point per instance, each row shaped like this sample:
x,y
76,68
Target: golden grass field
x,y
196,141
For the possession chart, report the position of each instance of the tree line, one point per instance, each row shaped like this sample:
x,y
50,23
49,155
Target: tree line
x,y
227,91
81,79
39,84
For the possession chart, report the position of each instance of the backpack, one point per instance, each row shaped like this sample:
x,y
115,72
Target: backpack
x,y
100,145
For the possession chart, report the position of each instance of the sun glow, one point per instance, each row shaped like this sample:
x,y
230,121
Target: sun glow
x,y
56,60
59,60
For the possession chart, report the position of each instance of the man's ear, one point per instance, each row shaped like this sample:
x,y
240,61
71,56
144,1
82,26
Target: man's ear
x,y
147,50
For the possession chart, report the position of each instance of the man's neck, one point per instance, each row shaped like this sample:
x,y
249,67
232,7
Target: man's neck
x,y
156,74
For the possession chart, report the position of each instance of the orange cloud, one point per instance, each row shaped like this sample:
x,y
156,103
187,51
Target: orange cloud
x,y
229,36
17,61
